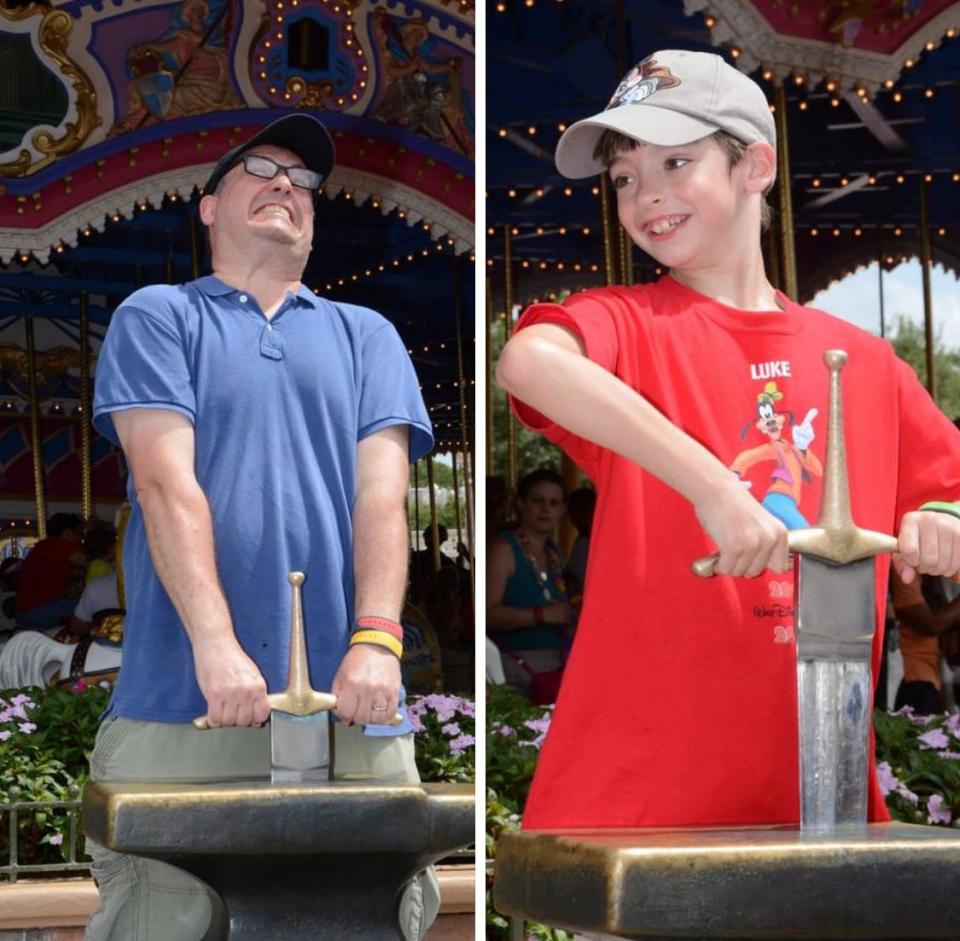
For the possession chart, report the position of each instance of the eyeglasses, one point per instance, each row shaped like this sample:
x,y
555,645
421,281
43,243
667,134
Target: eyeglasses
x,y
267,169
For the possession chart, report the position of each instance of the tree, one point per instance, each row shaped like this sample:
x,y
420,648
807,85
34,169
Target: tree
x,y
909,343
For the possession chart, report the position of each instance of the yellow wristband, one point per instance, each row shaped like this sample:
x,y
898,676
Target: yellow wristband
x,y
378,639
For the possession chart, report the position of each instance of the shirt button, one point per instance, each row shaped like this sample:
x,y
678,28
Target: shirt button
x,y
243,298
269,326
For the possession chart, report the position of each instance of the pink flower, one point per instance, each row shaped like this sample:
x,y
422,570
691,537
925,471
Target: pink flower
x,y
887,780
461,744
27,727
935,738
56,839
951,755
953,724
451,728
21,700
505,730
907,794
415,722
937,813
5,735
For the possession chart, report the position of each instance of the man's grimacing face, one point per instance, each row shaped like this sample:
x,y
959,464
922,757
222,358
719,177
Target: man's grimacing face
x,y
275,209
680,203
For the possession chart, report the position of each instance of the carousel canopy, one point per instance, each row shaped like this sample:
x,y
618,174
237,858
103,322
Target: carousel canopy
x,y
871,97
111,117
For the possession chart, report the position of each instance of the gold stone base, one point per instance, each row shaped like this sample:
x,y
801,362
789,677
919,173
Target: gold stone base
x,y
883,881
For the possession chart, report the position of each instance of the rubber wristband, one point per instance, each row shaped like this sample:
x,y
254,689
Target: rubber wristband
x,y
538,615
939,506
373,623
378,639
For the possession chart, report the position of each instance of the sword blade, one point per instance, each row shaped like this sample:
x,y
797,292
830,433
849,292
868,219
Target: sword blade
x,y
299,747
834,627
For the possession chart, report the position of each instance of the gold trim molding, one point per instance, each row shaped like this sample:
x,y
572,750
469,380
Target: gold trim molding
x,y
53,35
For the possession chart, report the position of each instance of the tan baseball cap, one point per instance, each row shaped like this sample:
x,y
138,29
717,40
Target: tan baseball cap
x,y
671,97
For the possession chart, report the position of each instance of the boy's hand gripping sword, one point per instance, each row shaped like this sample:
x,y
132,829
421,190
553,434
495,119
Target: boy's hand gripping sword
x,y
835,622
301,737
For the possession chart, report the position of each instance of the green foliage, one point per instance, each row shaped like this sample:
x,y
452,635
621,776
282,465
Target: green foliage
x,y
45,737
515,730
445,729
910,345
918,766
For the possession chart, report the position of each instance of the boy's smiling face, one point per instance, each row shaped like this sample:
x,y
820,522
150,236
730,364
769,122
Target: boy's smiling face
x,y
685,205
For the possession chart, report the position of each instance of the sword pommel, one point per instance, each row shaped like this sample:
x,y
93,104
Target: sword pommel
x,y
296,579
835,359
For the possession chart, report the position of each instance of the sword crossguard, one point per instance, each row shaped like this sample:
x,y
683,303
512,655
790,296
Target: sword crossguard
x,y
299,698
835,538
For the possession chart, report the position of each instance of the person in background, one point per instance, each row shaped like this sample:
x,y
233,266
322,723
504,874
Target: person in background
x,y
100,547
927,609
580,506
47,571
528,612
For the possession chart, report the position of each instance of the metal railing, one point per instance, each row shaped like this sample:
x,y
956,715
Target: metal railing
x,y
15,810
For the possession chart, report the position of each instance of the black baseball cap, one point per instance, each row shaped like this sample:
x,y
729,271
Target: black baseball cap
x,y
300,133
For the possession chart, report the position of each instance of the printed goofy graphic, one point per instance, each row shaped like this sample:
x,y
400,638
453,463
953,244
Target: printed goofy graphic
x,y
795,463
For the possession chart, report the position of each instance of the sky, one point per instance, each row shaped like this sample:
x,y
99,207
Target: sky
x,y
856,298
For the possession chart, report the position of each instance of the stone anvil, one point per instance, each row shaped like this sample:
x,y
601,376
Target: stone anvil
x,y
289,862
833,877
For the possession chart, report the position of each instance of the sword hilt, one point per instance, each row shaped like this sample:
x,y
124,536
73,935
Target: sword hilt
x,y
299,698
835,538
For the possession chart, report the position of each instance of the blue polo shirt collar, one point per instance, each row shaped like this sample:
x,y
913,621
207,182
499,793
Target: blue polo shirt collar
x,y
212,286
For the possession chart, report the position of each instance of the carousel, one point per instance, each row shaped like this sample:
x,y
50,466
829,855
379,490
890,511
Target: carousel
x,y
865,98
111,117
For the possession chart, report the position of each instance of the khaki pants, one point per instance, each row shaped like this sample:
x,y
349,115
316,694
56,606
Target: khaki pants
x,y
147,900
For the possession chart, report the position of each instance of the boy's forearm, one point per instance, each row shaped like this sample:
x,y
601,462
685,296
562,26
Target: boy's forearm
x,y
593,404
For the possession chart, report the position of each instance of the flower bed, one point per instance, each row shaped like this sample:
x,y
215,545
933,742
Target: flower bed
x,y
919,773
47,734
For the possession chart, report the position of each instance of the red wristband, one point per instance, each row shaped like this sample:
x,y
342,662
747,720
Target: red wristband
x,y
538,615
373,623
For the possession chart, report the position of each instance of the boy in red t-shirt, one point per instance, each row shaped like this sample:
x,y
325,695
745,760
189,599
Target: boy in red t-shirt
x,y
698,407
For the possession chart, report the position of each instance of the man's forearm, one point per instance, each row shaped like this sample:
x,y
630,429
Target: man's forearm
x,y
180,537
380,540
591,402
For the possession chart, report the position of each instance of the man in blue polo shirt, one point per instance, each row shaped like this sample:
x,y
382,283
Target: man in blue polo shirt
x,y
267,430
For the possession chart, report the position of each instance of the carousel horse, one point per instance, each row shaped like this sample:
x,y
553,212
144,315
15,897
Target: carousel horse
x,y
31,658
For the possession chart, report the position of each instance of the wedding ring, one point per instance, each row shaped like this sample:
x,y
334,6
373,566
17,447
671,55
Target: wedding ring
x,y
378,708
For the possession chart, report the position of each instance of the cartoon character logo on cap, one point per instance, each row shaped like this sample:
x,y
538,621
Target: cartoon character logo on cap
x,y
641,82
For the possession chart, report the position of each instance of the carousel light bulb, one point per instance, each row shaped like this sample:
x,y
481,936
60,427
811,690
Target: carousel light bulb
x,y
798,79
567,191
844,181
872,180
710,21
532,130
831,85
734,52
956,178
802,105
502,132
512,193
858,232
928,93
888,83
767,74
908,63
586,230
539,192
814,231
900,178
930,46
836,233
501,8
941,231
539,230
898,96
815,182
898,231
595,190
561,127
834,102
562,230
928,178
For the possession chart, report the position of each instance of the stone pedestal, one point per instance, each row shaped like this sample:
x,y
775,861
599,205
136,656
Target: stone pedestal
x,y
881,881
289,861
